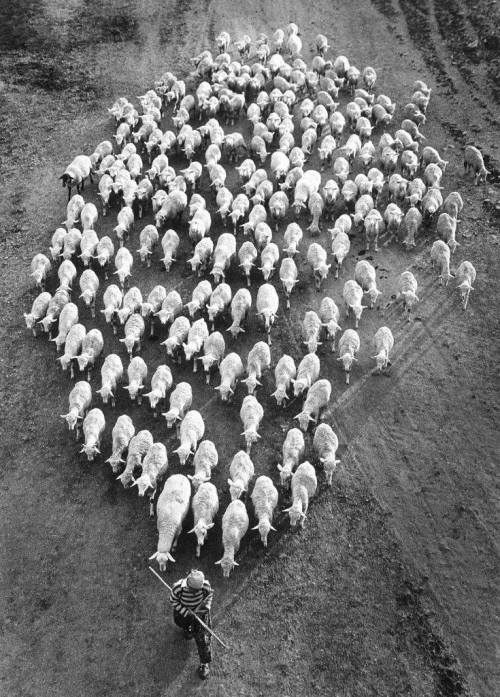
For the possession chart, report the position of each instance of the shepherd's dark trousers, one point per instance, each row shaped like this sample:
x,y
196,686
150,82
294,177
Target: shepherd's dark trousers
x,y
202,638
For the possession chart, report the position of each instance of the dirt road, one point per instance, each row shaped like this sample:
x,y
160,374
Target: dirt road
x,y
392,588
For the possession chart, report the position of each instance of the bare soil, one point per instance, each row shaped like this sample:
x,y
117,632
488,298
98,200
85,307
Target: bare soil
x,y
392,587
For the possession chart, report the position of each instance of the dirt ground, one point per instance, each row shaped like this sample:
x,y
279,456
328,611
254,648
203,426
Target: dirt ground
x,y
392,587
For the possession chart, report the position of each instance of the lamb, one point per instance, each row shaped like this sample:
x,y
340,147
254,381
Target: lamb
x,y
76,173
234,526
341,246
317,399
329,315
288,277
154,468
177,335
122,432
284,373
231,370
180,401
247,255
225,251
125,223
407,289
79,399
92,346
161,383
104,252
71,243
73,210
111,375
93,426
446,228
383,342
123,264
40,266
171,509
38,310
453,205
169,244
205,505
112,300
264,500
204,461
364,274
137,373
68,317
348,347
259,359
303,485
241,471
293,450
240,306
473,160
307,373
267,307
440,257
197,334
191,430
56,304
413,222
326,443
465,275
170,308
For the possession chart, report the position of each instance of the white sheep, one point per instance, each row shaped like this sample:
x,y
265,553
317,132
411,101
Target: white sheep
x,y
38,310
73,210
137,448
219,301
191,430
88,217
161,383
54,308
57,243
76,173
199,297
292,450
230,369
72,346
153,304
234,526
264,500
303,486
452,204
465,275
241,471
247,254
171,509
288,277
353,296
284,372
240,206
311,329
197,334
132,302
92,346
177,335
123,264
148,239
122,432
180,401
251,414
348,347
201,255
67,319
440,257
258,360
407,289
66,275
383,342
111,376
104,253
125,223
169,244
79,400
204,461
307,373
329,315
71,243
134,331
88,246
412,222
365,275
267,306
317,399
214,348
240,306
224,200
93,426
154,468
199,225
170,307
89,285
137,373
325,444
292,238
257,215
112,300
224,253
316,257
446,228
204,505
341,246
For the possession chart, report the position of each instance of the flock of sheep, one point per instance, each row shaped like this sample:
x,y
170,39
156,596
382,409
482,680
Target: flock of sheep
x,y
292,111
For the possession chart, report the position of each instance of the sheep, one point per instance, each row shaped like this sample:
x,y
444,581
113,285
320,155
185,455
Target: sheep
x,y
138,446
68,317
104,252
225,251
148,238
269,257
431,203
54,308
293,450
440,257
348,347
367,154
329,315
267,307
374,226
76,173
111,375
303,486
134,330
180,401
465,275
214,348
79,399
364,274
288,277
446,228
247,255
219,301
123,264
112,300
66,274
122,432
153,304
429,155
57,243
383,342
204,461
412,111
137,373
317,399
177,335
197,334
284,373
154,468
264,500
325,444
316,257
240,306
72,346
377,179
341,246
88,246
38,310
259,359
362,207
205,505
292,238
398,186
353,295
191,430
307,373
241,471
143,195
311,329
234,526
40,266
88,216
125,223
92,346
409,163
73,210
170,308
230,369
201,255
305,186
172,207
224,201
89,285
432,175
413,222
407,289
71,243
161,383
171,509
92,427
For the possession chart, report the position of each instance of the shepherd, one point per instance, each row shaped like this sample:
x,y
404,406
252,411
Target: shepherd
x,y
191,598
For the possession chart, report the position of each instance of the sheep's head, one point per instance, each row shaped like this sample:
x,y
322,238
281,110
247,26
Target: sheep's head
x,y
162,558
172,416
296,514
143,483
264,527
227,565
90,450
201,530
285,476
184,451
347,360
304,418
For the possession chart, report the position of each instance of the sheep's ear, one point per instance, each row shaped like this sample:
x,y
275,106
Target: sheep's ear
x,y
218,562
230,482
190,531
209,527
285,510
255,527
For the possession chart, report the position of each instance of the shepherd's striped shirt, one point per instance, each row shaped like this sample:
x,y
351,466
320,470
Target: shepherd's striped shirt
x,y
185,598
